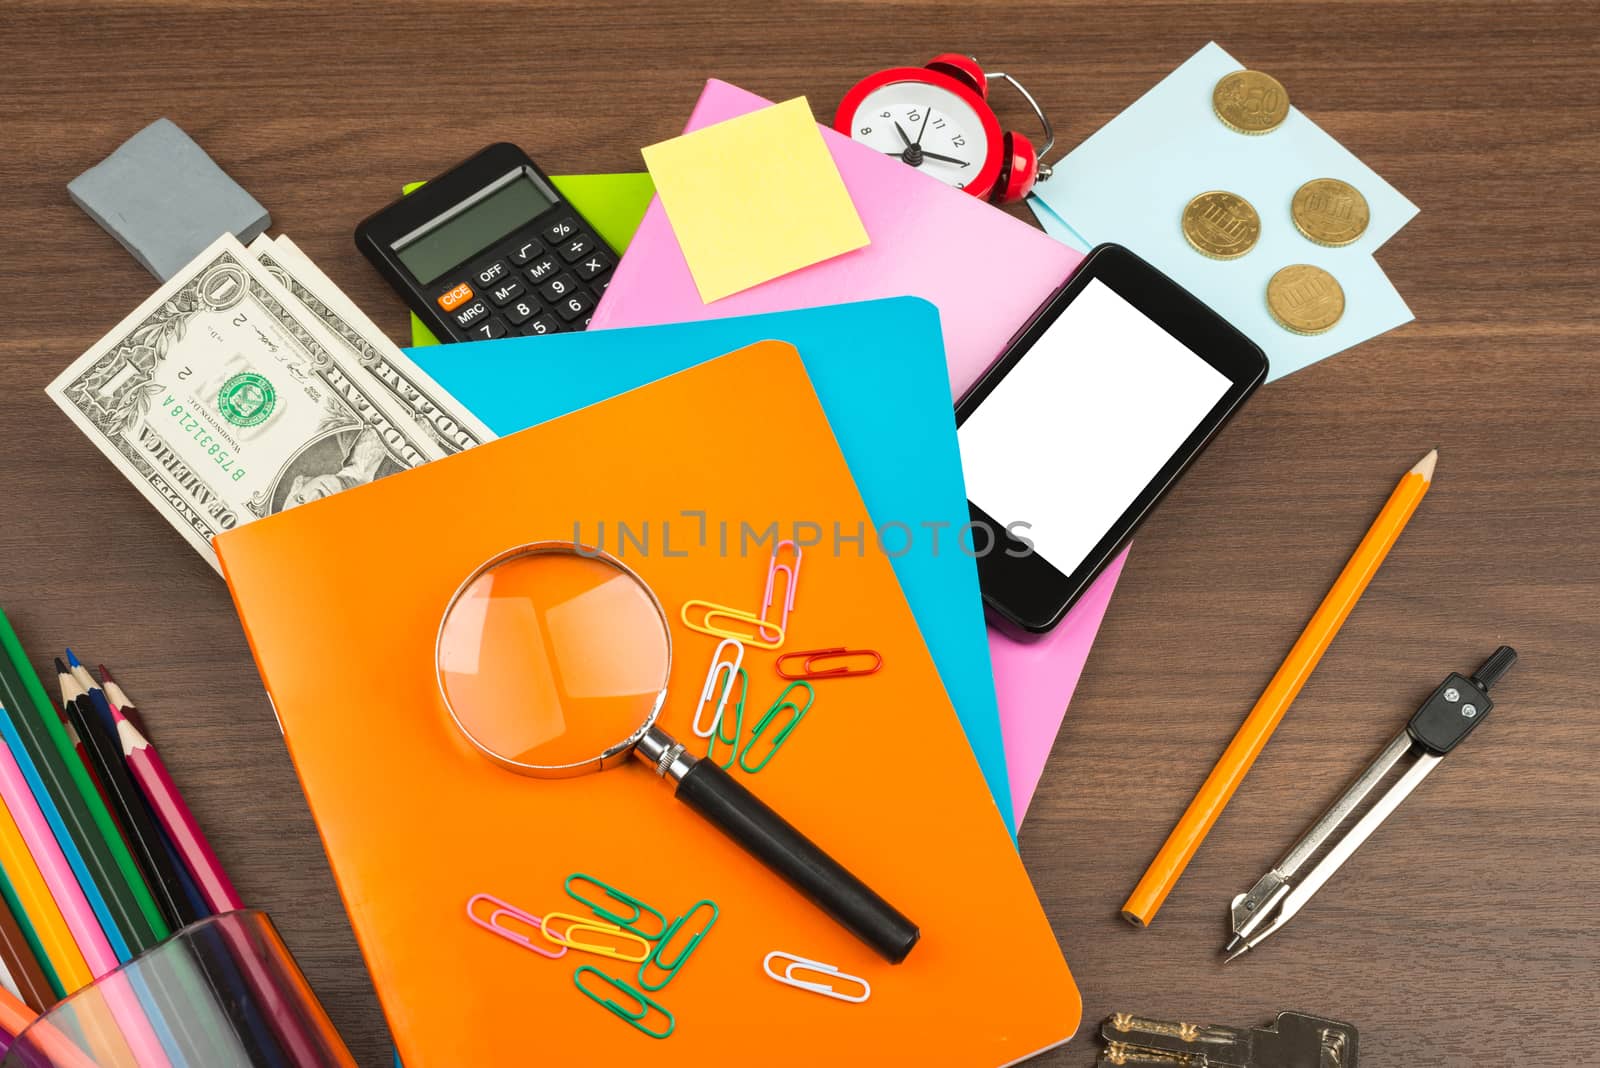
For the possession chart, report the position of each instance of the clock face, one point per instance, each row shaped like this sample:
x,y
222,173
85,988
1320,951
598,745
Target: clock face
x,y
925,126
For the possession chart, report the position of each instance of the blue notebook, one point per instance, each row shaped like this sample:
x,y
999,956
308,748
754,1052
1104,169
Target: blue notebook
x,y
879,369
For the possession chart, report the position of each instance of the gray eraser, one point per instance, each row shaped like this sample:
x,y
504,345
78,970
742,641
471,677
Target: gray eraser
x,y
165,200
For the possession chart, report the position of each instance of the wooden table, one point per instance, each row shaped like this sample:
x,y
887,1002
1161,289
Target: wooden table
x,y
1465,928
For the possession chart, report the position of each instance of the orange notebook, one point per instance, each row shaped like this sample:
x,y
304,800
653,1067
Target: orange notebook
x,y
341,601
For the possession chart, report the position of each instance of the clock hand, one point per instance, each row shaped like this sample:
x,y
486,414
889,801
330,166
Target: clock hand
x,y
926,115
944,159
903,138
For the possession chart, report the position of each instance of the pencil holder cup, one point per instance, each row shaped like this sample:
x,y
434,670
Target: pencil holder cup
x,y
221,993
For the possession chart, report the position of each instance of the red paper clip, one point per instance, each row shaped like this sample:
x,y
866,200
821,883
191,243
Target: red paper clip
x,y
839,653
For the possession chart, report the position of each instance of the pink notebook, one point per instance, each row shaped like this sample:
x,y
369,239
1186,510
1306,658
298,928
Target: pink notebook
x,y
985,271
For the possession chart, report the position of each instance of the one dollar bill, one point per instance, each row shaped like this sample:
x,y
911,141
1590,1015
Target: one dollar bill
x,y
222,404
437,414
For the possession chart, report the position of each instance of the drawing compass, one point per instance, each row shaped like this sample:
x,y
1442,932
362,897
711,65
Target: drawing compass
x,y
1457,706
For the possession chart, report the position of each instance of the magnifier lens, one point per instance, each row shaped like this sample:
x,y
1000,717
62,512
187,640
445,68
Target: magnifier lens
x,y
550,657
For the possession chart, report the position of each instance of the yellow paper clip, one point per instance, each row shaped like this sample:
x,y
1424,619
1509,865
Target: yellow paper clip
x,y
611,930
753,636
816,967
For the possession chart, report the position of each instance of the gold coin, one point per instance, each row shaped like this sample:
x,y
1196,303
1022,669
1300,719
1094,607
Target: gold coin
x,y
1305,299
1250,102
1221,225
1330,212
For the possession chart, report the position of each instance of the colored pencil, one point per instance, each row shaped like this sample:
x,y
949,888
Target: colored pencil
x,y
98,731
15,1015
83,825
64,887
120,699
150,772
57,950
22,967
59,873
183,831
88,765
1257,728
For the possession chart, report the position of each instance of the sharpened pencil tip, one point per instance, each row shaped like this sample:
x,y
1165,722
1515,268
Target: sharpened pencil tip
x,y
72,658
61,669
105,674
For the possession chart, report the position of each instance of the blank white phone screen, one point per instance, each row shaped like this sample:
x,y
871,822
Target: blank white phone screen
x,y
1082,423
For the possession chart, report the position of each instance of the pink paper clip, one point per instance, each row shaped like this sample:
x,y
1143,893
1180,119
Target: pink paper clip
x,y
843,671
504,908
793,571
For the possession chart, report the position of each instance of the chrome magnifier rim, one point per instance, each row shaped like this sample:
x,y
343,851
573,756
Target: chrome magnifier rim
x,y
612,755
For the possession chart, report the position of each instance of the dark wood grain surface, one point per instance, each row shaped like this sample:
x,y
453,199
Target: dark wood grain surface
x,y
1465,932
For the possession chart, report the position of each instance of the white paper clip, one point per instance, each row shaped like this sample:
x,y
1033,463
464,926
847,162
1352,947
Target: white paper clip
x,y
825,989
716,680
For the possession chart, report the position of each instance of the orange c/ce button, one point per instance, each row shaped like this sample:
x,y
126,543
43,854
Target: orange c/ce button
x,y
457,296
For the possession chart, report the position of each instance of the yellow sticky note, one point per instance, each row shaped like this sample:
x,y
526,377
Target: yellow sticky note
x,y
753,198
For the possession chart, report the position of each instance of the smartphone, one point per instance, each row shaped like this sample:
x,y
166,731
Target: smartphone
x,y
1092,413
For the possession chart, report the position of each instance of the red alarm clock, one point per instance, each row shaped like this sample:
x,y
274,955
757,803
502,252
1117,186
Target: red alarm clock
x,y
937,119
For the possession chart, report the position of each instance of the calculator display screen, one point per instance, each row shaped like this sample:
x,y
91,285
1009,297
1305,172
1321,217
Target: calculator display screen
x,y
472,226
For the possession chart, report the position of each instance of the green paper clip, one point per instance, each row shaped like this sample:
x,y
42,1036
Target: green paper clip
x,y
627,922
738,721
658,958
783,733
635,1019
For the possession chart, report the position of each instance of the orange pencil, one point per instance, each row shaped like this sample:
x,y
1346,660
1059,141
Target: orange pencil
x,y
1253,734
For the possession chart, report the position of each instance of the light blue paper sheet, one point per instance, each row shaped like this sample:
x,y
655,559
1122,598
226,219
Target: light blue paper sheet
x,y
1128,183
879,370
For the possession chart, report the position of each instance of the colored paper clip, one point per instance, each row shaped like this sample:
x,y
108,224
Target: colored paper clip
x,y
634,1018
783,732
627,923
709,692
753,636
825,989
773,570
493,926
738,724
807,671
659,957
578,923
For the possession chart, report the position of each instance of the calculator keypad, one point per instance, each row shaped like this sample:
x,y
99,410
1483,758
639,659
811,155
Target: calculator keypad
x,y
545,279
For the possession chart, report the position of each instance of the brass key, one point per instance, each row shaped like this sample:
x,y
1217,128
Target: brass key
x,y
1293,1040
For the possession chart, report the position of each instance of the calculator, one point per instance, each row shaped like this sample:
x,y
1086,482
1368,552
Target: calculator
x,y
489,249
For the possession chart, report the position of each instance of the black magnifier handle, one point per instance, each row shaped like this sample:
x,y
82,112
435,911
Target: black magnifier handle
x,y
770,838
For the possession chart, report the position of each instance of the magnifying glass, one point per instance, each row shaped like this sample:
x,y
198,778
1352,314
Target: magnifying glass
x,y
553,661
